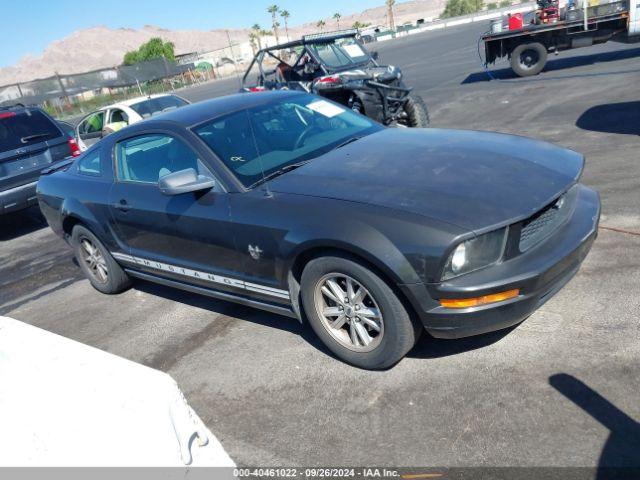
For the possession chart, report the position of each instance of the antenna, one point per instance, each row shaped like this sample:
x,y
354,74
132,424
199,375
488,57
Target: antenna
x,y
265,184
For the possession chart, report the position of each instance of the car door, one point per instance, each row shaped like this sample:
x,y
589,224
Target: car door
x,y
187,237
89,130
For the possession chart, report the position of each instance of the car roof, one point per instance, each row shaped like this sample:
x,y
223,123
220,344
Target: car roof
x,y
18,106
209,109
133,101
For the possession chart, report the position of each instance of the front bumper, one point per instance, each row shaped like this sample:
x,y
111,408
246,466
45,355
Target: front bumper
x,y
18,198
539,273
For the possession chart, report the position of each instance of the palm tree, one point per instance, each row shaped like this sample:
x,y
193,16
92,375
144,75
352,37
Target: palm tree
x,y
337,17
321,25
254,40
390,4
359,25
256,34
285,16
267,33
273,10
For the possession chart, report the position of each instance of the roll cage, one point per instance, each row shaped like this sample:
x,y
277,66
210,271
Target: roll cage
x,y
299,55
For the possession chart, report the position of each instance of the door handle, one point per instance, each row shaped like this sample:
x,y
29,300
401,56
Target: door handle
x,y
122,205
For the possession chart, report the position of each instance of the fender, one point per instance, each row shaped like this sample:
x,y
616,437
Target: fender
x,y
356,237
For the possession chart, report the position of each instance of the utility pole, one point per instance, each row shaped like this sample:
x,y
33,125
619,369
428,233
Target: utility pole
x,y
235,66
64,91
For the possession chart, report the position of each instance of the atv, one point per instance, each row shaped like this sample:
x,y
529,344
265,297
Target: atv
x,y
337,66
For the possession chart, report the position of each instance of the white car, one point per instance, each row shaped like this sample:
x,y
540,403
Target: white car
x,y
114,117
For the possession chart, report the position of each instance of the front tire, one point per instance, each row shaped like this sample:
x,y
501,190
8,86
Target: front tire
x,y
417,115
528,59
96,262
355,313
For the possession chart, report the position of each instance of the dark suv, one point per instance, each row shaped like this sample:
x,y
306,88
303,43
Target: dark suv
x,y
30,140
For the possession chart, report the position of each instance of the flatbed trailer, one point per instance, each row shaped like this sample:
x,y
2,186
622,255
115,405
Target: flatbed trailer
x,y
528,47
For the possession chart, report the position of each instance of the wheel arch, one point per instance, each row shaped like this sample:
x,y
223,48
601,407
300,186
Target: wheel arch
x,y
310,251
73,212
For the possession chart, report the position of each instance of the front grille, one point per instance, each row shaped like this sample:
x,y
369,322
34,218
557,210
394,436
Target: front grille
x,y
540,225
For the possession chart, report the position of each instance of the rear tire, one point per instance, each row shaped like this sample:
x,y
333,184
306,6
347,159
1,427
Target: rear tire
x,y
96,262
417,113
528,59
376,330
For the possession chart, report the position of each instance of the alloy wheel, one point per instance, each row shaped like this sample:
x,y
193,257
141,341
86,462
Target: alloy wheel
x,y
94,260
348,312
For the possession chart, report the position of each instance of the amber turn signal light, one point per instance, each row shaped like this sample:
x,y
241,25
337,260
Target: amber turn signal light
x,y
477,301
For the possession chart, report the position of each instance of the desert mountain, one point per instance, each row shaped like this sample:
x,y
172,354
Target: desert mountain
x,y
100,46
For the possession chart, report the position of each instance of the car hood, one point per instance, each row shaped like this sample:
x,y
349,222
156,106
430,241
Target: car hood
x,y
475,180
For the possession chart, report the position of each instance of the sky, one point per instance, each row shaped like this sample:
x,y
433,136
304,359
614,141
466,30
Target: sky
x,y
34,24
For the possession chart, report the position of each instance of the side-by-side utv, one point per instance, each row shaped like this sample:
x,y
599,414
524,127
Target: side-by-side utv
x,y
337,66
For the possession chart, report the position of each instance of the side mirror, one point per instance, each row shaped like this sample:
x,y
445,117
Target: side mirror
x,y
374,55
184,181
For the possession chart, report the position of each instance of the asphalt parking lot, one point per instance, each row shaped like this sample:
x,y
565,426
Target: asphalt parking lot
x,y
561,389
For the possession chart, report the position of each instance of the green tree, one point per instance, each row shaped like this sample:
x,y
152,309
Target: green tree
x,y
285,16
455,8
253,41
321,25
337,17
154,48
505,3
273,10
256,34
492,6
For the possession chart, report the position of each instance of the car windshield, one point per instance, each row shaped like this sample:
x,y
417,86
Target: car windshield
x,y
21,129
261,141
155,106
343,52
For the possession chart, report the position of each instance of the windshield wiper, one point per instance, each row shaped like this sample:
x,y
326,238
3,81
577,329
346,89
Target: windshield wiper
x,y
346,142
28,138
280,171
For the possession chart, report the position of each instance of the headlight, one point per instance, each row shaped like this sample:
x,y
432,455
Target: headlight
x,y
476,253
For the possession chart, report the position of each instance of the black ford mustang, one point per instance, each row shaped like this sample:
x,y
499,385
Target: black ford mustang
x,y
291,203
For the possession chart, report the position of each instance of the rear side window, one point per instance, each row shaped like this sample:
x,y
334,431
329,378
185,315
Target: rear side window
x,y
147,158
117,115
155,106
21,129
90,164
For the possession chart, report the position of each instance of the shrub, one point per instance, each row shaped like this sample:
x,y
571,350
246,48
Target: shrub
x,y
455,8
154,48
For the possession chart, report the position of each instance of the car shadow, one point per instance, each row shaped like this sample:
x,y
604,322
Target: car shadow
x,y
622,118
431,347
427,347
18,224
558,64
242,312
620,456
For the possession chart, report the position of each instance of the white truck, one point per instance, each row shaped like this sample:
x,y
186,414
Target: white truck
x,y
588,23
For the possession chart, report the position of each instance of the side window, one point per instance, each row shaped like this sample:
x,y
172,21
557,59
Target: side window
x,y
92,124
90,164
147,158
117,115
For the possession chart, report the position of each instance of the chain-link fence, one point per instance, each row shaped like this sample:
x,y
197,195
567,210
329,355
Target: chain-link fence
x,y
61,90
